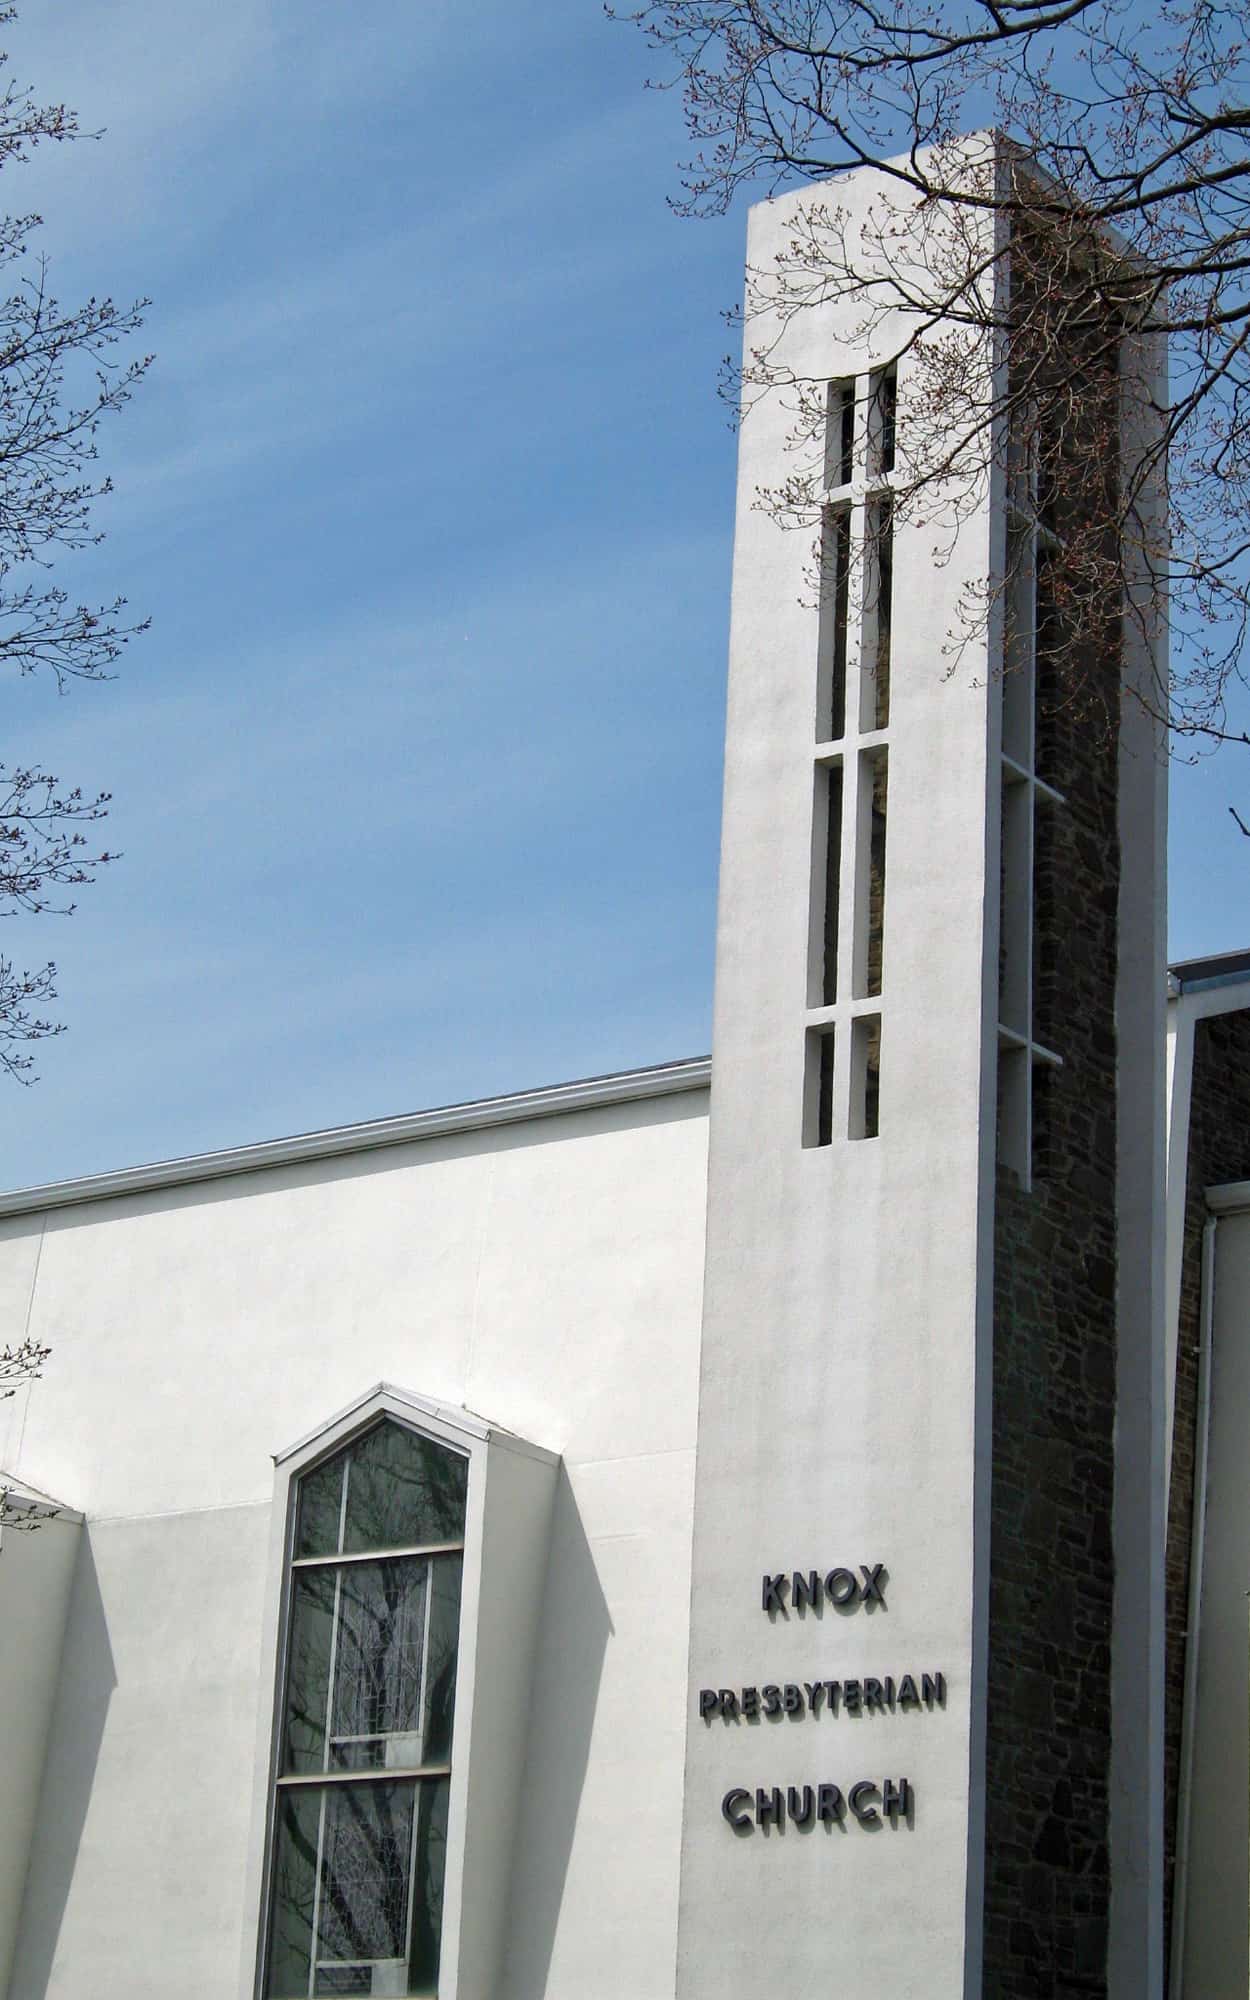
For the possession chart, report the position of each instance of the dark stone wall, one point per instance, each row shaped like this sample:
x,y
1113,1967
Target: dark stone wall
x,y
1054,1385
1219,1150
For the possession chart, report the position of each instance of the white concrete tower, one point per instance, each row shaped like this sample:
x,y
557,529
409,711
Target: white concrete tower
x,y
925,1582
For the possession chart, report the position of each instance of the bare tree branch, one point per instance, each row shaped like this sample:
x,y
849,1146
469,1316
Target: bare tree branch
x,y
63,370
1125,211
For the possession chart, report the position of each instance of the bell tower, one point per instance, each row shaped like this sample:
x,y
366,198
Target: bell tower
x,y
924,1707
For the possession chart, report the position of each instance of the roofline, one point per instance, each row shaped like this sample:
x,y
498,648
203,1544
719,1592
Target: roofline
x,y
18,1496
1225,968
388,1395
481,1114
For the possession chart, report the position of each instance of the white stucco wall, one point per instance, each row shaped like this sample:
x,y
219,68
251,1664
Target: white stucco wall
x,y
36,1571
844,1387
547,1275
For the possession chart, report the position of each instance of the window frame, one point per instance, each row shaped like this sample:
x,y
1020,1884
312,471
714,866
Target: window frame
x,y
455,1430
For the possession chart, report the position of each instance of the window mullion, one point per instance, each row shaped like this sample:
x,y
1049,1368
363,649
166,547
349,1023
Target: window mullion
x,y
346,1556
316,1913
412,1869
347,1466
332,1668
425,1656
368,1774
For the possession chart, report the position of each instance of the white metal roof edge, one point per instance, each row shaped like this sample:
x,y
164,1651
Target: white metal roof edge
x,y
384,1395
586,1094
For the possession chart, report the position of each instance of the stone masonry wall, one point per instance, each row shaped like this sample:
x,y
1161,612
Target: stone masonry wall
x,y
1219,1150
1054,1385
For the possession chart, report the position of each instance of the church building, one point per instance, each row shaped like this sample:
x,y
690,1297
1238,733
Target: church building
x,y
759,1525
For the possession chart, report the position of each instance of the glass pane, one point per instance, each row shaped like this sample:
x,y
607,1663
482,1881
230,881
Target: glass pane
x,y
320,1507
378,1662
403,1489
364,1873
427,1901
444,1638
365,1917
294,1885
308,1676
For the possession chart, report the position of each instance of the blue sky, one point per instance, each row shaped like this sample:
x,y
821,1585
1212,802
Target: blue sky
x,y
429,496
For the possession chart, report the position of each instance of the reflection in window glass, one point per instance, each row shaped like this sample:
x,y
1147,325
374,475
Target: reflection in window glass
x,y
308,1669
440,1668
373,1648
402,1489
389,1490
319,1524
380,1657
357,1872
365,1852
358,1889
294,1891
430,1863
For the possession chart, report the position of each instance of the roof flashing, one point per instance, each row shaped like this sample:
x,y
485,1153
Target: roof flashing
x,y
480,1114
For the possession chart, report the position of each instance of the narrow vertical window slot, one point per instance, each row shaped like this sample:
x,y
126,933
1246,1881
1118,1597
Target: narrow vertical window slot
x,y
878,613
883,420
870,886
827,856
847,414
878,766
1047,691
1014,1105
1022,457
818,1088
1016,914
839,433
1047,481
1041,1081
835,581
1042,1026
1032,713
1018,651
865,1115
1004,943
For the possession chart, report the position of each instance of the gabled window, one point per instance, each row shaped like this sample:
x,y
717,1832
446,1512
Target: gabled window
x,y
372,1624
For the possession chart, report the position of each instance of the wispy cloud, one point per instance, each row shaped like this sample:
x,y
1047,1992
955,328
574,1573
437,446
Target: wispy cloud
x,y
417,774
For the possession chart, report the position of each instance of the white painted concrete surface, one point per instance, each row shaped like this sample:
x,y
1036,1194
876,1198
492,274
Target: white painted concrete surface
x,y
36,1571
136,1881
846,1306
547,1275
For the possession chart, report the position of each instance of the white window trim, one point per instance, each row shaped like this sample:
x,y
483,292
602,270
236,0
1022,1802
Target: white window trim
x,y
461,1431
